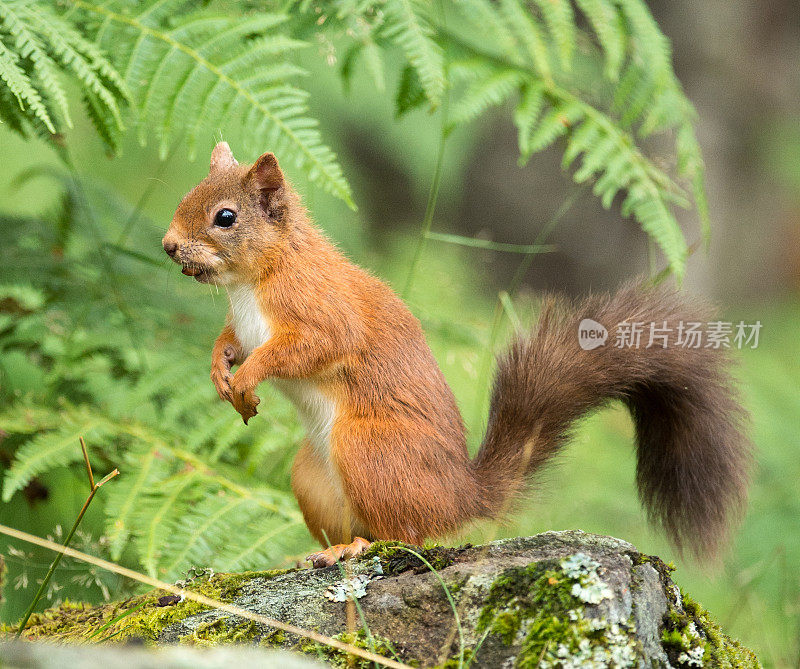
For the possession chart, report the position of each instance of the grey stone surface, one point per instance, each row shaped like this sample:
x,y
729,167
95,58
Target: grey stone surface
x,y
558,600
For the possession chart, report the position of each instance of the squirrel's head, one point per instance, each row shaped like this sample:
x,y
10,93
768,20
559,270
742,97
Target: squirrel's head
x,y
232,225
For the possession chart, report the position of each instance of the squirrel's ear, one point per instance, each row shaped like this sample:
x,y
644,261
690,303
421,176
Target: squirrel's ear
x,y
265,175
222,157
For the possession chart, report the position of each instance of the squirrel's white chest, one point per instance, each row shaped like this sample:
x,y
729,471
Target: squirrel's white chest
x,y
247,318
251,325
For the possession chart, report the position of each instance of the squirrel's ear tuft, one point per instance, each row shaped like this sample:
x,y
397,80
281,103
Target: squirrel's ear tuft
x,y
222,157
265,175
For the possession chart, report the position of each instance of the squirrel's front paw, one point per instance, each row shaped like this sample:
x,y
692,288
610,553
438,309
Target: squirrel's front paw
x,y
222,379
244,400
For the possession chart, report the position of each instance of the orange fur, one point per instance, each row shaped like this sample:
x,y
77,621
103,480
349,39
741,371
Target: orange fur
x,y
386,456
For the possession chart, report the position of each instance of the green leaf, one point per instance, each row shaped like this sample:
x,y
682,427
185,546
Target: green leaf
x,y
408,24
410,93
491,91
192,76
560,20
52,449
530,34
607,25
37,48
526,115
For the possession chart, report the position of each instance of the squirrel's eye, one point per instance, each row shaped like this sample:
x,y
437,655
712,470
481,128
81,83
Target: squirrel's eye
x,y
225,218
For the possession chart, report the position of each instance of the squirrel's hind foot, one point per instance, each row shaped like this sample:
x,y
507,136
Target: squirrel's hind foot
x,y
332,555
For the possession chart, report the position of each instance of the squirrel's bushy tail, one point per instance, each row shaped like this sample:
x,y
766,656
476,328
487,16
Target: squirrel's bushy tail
x,y
692,454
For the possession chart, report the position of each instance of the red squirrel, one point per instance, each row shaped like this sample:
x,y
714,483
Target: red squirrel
x,y
385,455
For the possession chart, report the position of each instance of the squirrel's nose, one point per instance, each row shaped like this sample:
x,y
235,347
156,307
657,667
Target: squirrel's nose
x,y
171,248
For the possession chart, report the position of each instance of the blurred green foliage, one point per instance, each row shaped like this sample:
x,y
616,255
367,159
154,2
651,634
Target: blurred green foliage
x,y
101,336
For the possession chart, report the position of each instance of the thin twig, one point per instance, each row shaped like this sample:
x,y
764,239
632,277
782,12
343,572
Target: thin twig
x,y
88,465
94,487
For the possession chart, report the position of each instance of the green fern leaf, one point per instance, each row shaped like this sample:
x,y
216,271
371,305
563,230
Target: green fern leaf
x,y
554,124
596,156
656,219
582,139
193,77
159,512
46,46
491,91
52,449
483,15
526,115
691,164
530,34
410,93
607,25
19,83
140,471
408,24
560,20
649,42
232,533
617,174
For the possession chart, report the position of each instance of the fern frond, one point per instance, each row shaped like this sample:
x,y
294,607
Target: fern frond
x,y
158,512
560,20
607,24
408,24
142,470
20,84
204,73
554,124
410,93
530,34
526,115
483,15
44,46
649,42
608,152
52,449
491,91
232,533
601,127
691,164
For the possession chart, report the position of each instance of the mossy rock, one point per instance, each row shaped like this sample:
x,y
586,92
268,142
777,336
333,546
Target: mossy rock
x,y
559,599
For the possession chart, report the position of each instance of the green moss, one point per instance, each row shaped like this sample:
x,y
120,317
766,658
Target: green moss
x,y
456,662
664,569
521,592
689,634
273,637
537,601
507,624
78,621
395,559
221,631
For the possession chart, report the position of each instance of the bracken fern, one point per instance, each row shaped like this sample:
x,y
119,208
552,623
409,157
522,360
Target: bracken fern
x,y
595,74
208,72
38,47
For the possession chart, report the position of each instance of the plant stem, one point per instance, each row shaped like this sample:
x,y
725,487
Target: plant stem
x,y
433,195
93,488
430,208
